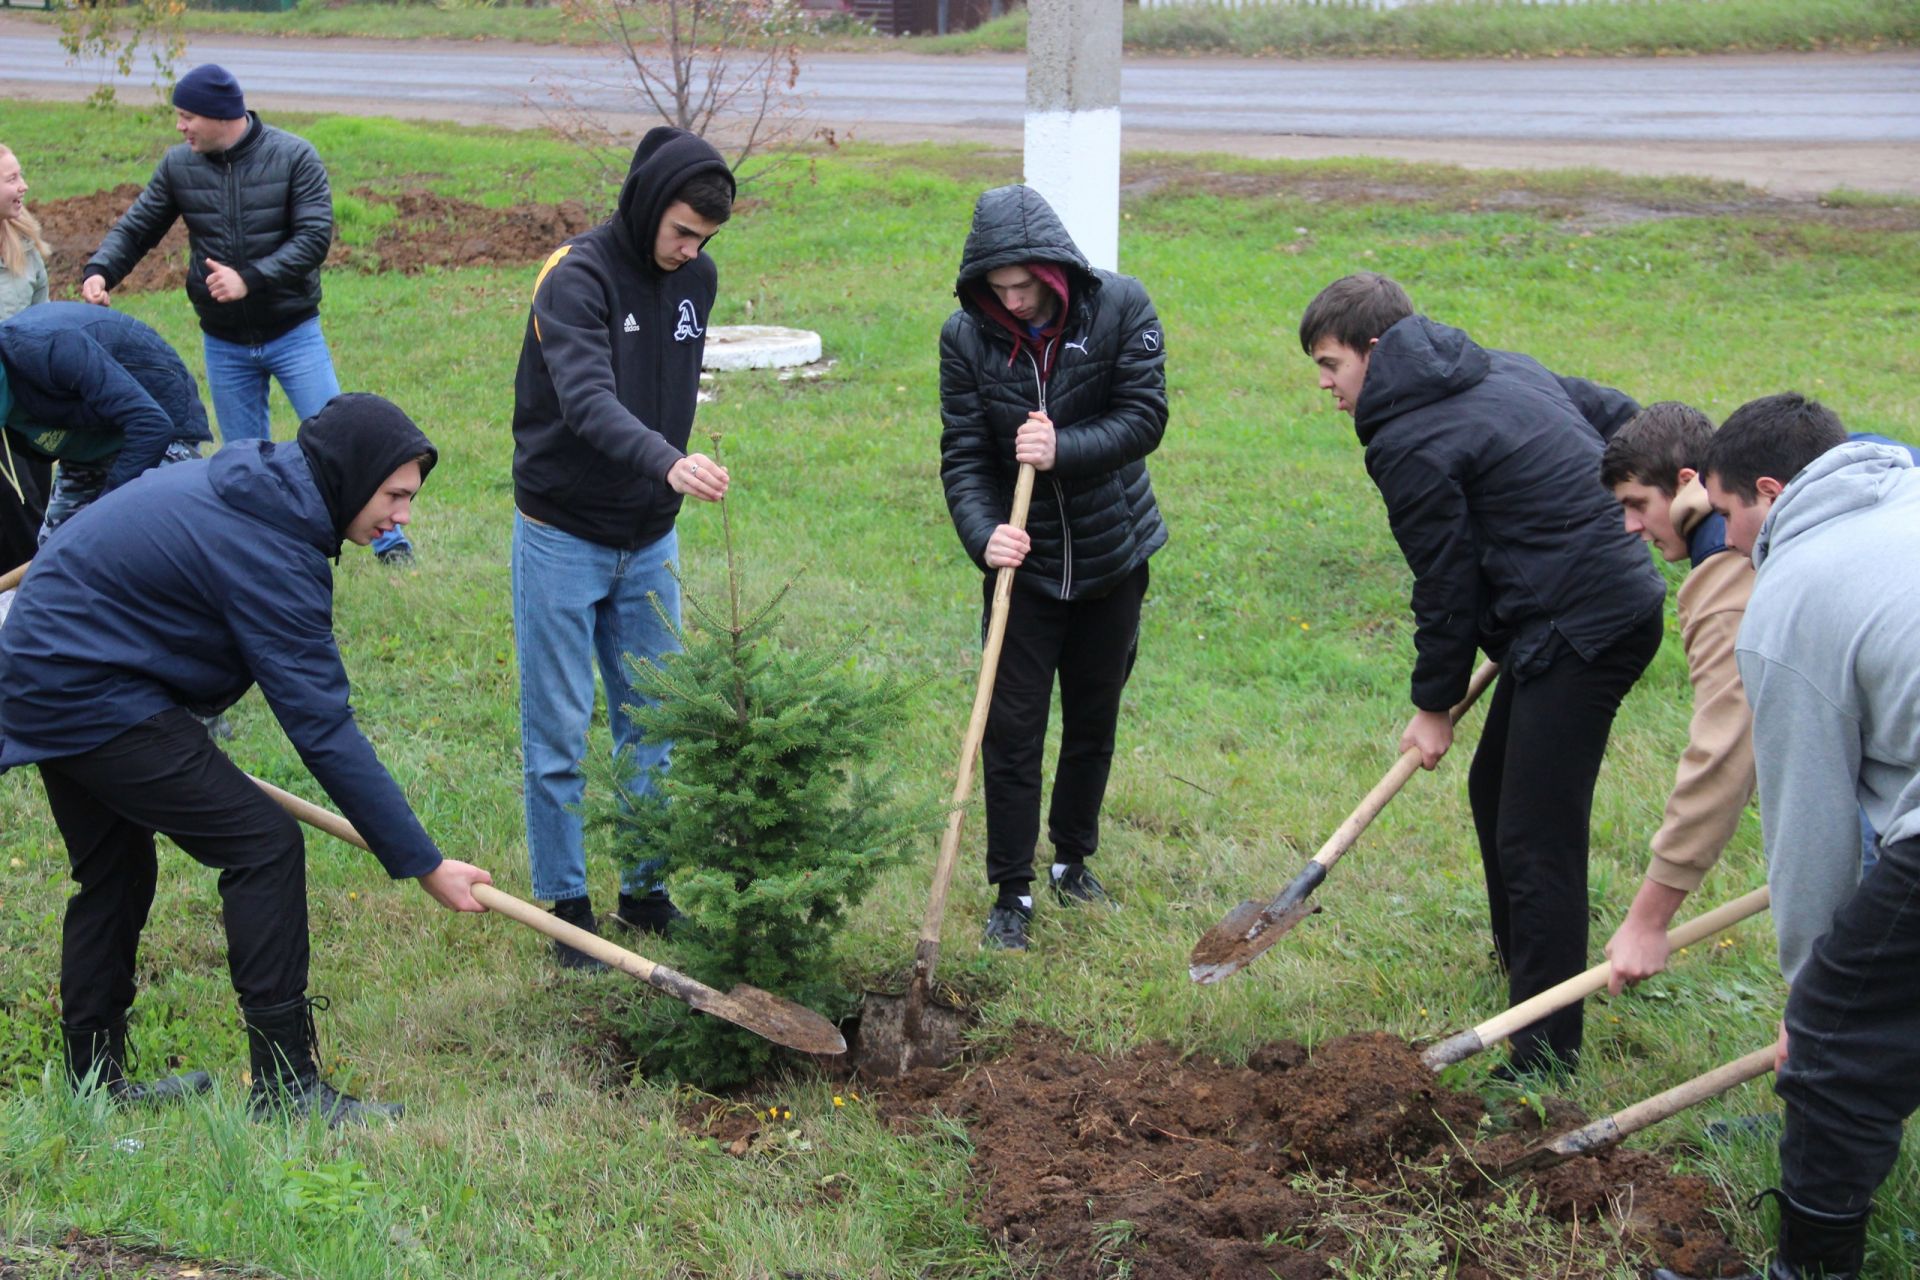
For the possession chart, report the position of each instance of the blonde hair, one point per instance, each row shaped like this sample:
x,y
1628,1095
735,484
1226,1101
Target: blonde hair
x,y
17,233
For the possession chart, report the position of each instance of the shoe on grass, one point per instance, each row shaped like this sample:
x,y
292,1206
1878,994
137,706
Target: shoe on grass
x,y
400,557
652,913
1073,883
577,912
1007,928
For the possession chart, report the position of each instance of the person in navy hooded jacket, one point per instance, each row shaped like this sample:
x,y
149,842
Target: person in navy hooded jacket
x,y
100,393
180,591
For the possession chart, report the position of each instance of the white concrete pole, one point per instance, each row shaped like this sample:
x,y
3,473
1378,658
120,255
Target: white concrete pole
x,y
1073,119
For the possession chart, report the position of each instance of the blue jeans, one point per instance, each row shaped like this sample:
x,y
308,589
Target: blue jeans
x,y
578,604
238,376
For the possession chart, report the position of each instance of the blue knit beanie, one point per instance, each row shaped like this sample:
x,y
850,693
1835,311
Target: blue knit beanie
x,y
210,91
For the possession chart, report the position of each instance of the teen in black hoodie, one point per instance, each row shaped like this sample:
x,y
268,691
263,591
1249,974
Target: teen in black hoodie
x,y
603,406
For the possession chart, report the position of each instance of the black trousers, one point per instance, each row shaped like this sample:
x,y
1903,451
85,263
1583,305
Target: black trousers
x,y
1090,645
166,775
20,520
1853,1042
1531,789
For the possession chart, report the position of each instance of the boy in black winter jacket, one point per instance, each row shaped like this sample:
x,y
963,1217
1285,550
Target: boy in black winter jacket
x,y
1489,465
1050,362
603,407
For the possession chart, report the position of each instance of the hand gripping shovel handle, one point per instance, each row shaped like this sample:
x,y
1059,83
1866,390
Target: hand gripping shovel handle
x,y
1611,1131
1465,1044
929,947
748,1007
1253,926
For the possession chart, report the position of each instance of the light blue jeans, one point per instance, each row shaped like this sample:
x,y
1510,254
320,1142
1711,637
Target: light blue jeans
x,y
238,375
578,605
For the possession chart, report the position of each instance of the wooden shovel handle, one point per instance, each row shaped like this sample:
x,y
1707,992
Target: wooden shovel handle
x,y
1580,986
1388,787
485,894
14,576
1610,1131
976,725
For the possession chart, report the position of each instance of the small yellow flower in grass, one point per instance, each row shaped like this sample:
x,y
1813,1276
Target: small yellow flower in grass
x,y
1306,626
839,1101
1613,1017
353,897
1423,1013
1683,951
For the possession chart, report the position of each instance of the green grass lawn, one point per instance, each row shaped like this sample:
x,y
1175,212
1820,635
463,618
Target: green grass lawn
x,y
1452,29
1269,693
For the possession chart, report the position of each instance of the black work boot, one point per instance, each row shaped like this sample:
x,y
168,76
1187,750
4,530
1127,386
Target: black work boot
x,y
577,912
651,912
284,1047
1813,1245
101,1053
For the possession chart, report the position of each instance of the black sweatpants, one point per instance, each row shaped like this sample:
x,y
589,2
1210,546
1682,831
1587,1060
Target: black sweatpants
x,y
165,775
1090,645
21,513
1531,788
1853,1042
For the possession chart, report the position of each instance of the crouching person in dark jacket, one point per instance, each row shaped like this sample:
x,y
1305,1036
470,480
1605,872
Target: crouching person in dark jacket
x,y
1052,363
98,392
186,587
1490,467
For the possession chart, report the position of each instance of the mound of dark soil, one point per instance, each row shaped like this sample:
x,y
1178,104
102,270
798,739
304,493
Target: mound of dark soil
x,y
1185,1168
428,231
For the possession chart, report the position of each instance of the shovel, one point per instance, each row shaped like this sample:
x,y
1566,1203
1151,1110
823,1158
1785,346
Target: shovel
x,y
14,576
897,1034
1253,926
1465,1044
1610,1131
760,1012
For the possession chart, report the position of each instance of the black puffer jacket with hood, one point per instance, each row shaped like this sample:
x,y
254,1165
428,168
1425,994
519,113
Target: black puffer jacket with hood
x,y
262,207
1100,375
1490,467
610,365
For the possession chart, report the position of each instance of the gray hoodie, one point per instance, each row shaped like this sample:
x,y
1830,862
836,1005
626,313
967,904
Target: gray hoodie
x,y
1830,656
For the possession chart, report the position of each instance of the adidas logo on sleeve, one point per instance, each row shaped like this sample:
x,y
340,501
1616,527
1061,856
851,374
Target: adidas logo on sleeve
x,y
632,325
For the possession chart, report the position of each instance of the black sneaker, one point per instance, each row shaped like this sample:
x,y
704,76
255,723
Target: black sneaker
x,y
400,557
1007,928
1076,884
578,913
652,913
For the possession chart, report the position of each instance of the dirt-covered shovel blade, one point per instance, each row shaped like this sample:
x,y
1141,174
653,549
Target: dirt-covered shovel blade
x,y
761,1012
1248,929
1252,927
1610,1131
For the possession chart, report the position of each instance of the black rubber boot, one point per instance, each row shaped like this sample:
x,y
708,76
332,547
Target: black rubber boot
x,y
101,1054
284,1047
1813,1245
577,912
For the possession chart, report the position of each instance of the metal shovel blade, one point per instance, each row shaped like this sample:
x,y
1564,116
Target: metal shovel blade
x,y
886,1047
1247,931
761,1012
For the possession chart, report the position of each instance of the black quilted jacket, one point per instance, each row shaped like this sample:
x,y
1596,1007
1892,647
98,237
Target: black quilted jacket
x,y
1093,520
263,207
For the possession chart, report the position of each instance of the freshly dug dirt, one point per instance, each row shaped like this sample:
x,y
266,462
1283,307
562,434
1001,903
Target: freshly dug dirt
x,y
428,231
92,1257
1188,1169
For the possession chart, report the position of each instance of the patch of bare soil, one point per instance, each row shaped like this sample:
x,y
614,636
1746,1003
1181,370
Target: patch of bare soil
x,y
428,230
93,1256
1189,1169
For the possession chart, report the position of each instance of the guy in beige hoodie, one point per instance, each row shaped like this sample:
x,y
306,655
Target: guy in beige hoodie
x,y
1652,467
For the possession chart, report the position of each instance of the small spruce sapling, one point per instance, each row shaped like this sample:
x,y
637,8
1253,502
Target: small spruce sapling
x,y
771,822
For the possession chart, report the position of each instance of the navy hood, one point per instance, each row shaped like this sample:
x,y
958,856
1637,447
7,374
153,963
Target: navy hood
x,y
1417,362
663,162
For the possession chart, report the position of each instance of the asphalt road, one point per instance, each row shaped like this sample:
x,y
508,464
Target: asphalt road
x,y
1852,119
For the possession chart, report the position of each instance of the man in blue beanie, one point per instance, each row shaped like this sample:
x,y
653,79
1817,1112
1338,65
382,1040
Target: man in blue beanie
x,y
259,217
179,591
